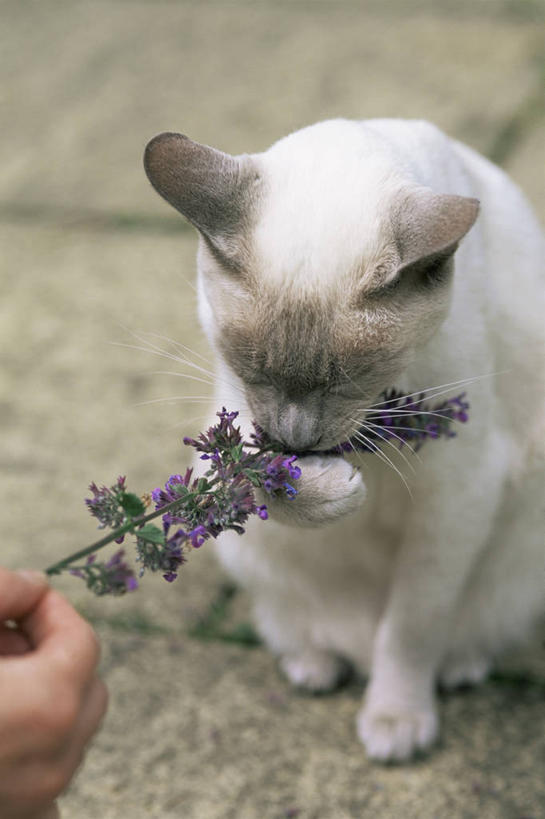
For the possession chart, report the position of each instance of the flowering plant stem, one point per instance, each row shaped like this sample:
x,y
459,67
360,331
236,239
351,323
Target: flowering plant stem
x,y
196,509
192,509
117,534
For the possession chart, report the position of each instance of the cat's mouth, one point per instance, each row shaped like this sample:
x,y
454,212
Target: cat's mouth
x,y
398,420
324,445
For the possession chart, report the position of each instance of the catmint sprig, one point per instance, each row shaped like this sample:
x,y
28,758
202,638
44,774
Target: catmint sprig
x,y
195,509
192,509
408,419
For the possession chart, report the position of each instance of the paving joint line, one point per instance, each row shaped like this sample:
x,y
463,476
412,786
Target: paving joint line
x,y
73,218
526,116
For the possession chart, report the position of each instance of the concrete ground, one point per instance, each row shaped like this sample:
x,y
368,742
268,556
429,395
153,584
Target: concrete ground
x,y
202,725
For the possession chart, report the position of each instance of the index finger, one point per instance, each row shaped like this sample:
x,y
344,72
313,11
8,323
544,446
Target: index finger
x,y
62,637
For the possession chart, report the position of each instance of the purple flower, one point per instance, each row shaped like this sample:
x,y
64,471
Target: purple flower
x,y
105,504
402,419
198,535
174,489
120,576
293,471
166,556
278,470
223,436
113,577
291,492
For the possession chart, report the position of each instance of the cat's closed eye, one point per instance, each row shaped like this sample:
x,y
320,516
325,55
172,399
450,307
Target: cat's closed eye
x,y
350,392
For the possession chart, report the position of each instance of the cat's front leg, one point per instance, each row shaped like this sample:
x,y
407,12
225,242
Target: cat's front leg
x,y
448,528
329,488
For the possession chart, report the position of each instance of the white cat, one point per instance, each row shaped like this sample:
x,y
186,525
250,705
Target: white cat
x,y
328,272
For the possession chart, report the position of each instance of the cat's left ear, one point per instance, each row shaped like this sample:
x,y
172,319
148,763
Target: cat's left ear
x,y
429,226
212,189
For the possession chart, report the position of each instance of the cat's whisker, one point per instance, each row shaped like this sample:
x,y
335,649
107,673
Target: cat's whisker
x,y
401,440
382,455
188,376
392,445
376,431
375,450
196,378
186,421
178,344
156,350
150,350
189,283
356,452
192,364
398,437
405,429
409,413
443,388
357,386
190,399
366,422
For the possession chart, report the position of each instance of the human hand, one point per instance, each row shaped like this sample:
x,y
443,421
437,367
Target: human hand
x,y
51,699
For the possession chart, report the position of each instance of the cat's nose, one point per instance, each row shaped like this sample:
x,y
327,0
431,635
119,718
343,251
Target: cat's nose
x,y
297,430
299,443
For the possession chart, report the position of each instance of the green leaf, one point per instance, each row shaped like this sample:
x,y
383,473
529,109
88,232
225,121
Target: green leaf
x,y
236,453
252,477
243,633
202,485
132,504
152,534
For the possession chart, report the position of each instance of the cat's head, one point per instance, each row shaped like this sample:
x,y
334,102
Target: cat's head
x,y
322,270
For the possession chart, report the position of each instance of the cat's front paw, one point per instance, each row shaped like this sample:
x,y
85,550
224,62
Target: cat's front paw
x,y
396,734
329,488
465,670
313,670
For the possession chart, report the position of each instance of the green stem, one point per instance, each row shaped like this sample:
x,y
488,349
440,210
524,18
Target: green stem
x,y
57,568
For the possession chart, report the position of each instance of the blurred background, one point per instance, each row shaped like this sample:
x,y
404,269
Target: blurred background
x,y
95,267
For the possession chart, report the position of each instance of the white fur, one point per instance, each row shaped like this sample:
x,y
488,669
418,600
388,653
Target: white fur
x,y
408,590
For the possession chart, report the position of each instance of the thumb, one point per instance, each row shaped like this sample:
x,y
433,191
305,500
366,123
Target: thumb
x,y
20,592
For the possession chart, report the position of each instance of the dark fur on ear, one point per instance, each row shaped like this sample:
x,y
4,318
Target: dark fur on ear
x,y
211,189
429,226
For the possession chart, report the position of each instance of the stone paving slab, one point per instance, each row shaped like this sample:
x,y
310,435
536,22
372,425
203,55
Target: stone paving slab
x,y
87,83
90,255
198,731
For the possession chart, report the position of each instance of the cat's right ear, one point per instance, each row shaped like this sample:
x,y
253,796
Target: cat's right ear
x,y
213,190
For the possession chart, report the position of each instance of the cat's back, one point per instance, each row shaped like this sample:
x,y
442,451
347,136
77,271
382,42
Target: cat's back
x,y
449,166
507,240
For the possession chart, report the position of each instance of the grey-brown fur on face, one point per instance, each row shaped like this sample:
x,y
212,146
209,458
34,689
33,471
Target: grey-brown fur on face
x,y
294,354
216,192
